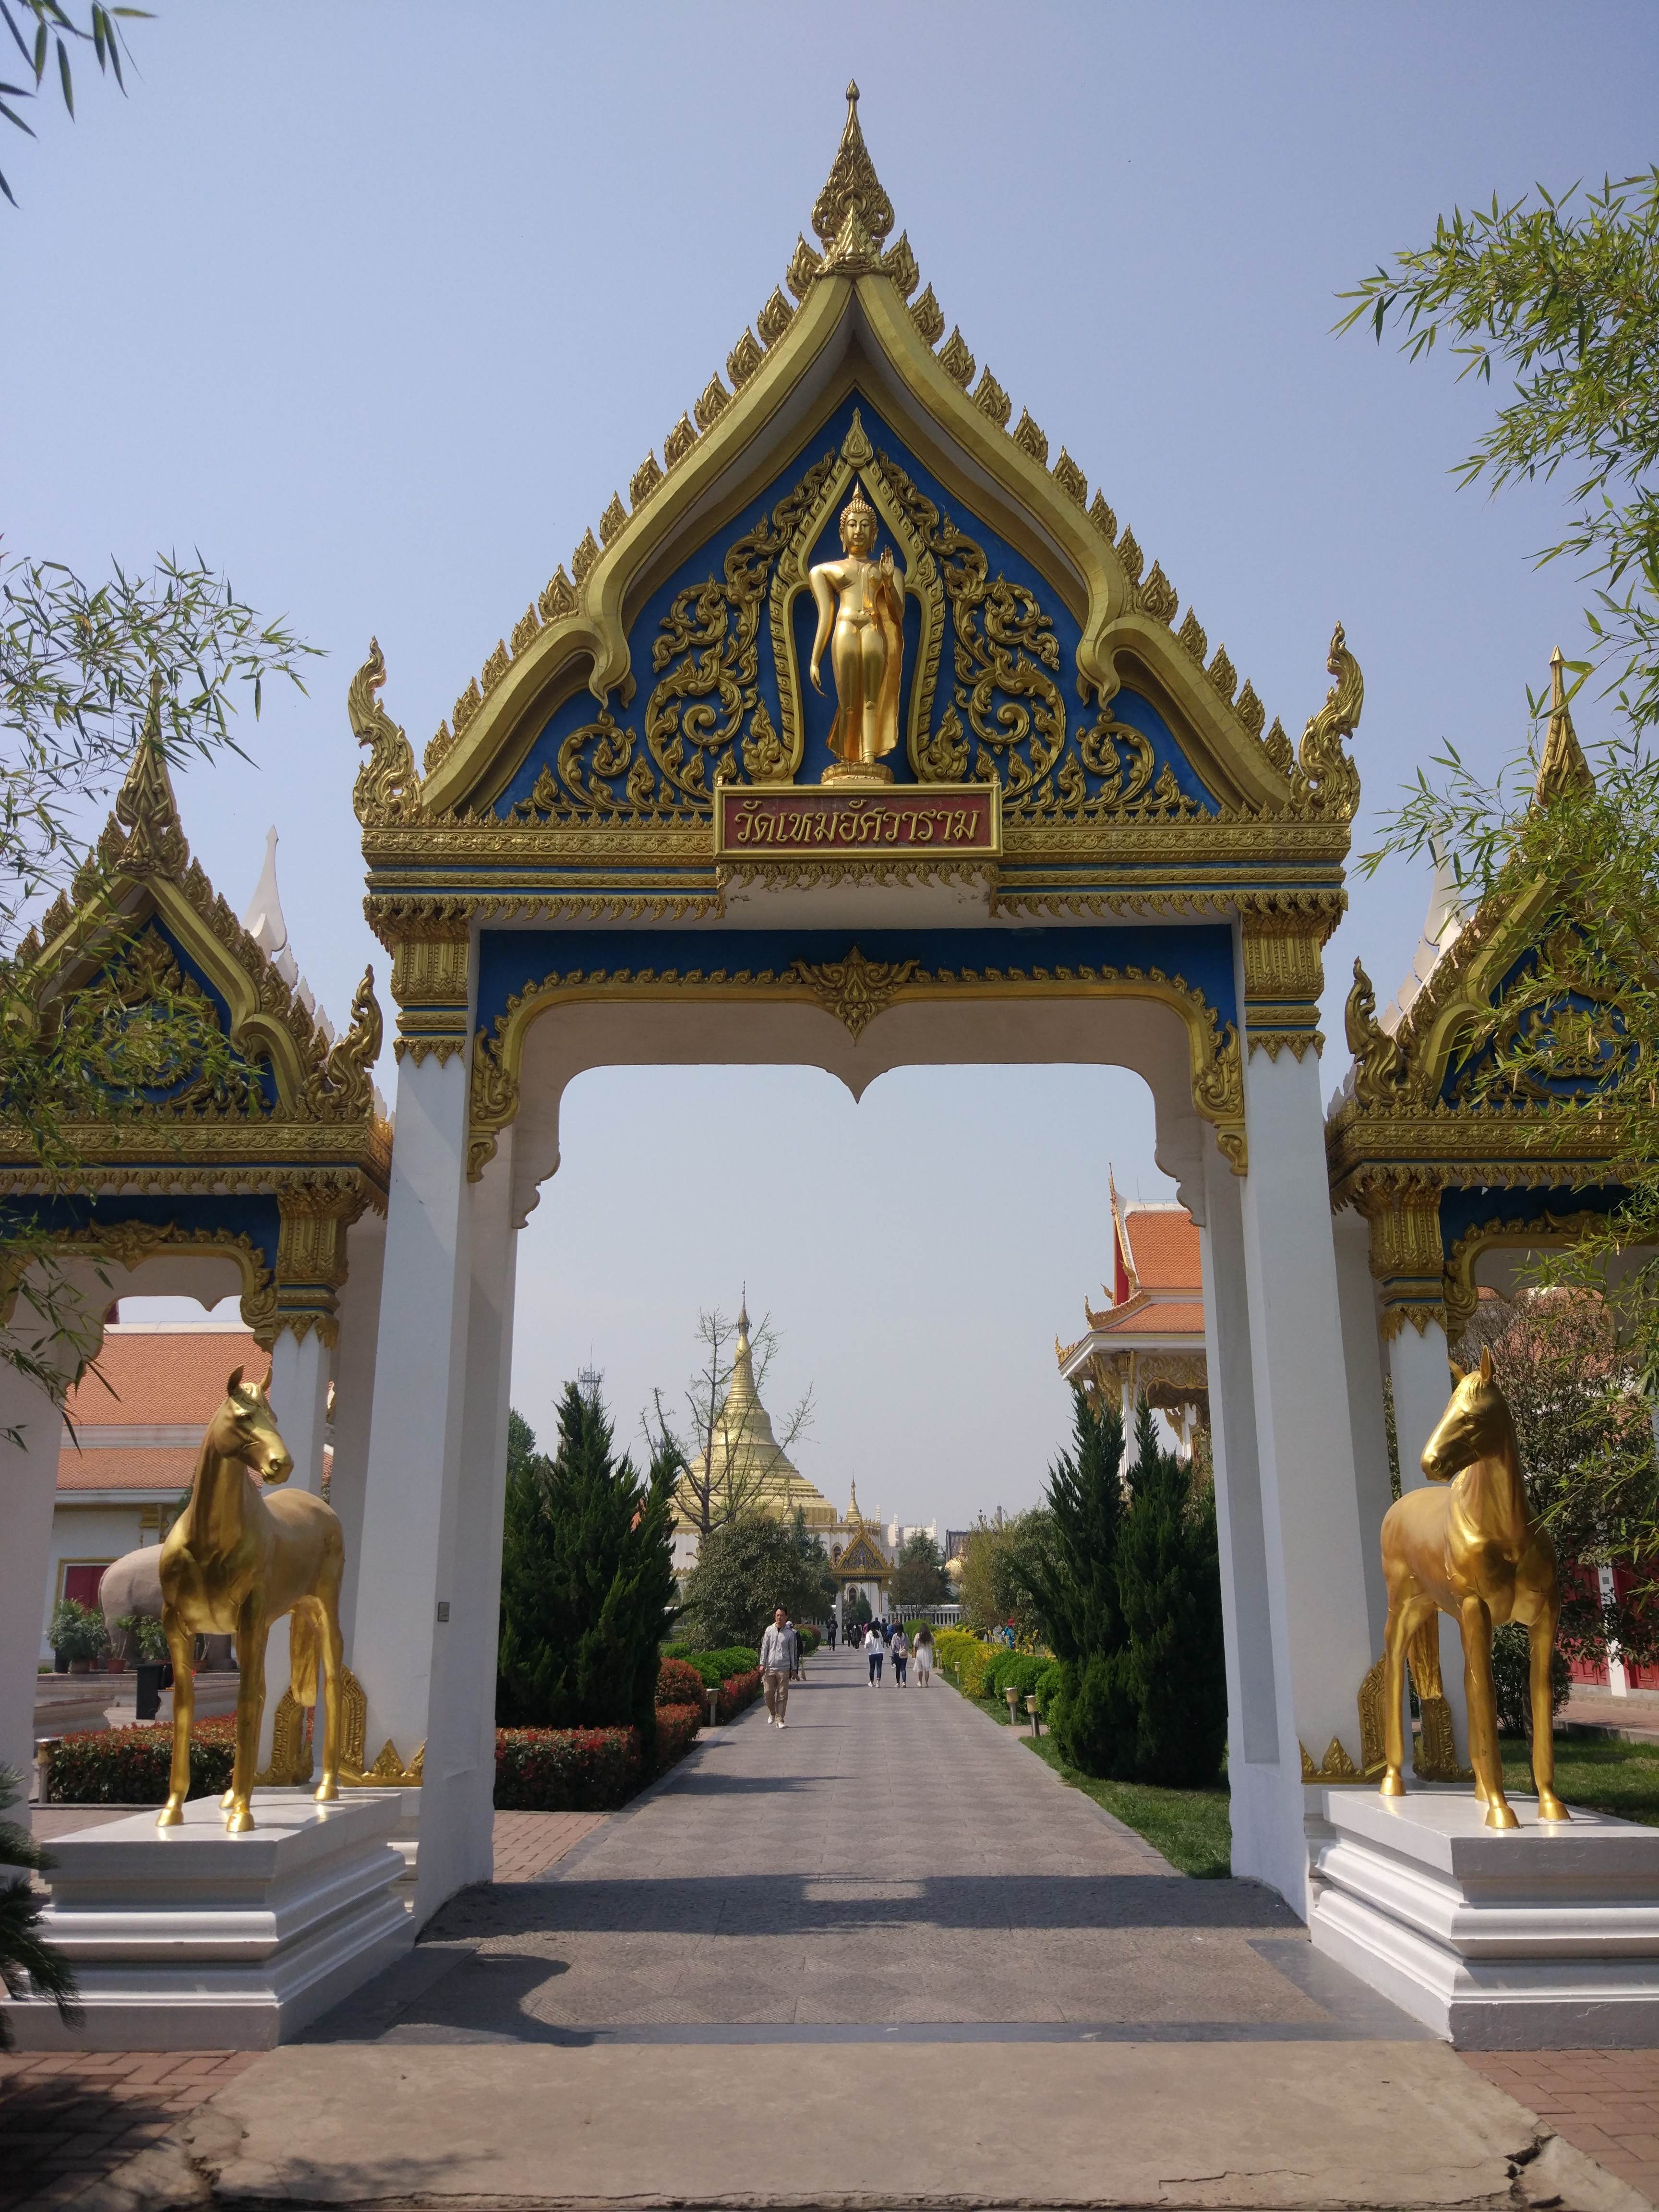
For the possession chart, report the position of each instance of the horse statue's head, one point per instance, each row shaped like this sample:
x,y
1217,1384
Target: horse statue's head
x,y
1476,1424
245,1428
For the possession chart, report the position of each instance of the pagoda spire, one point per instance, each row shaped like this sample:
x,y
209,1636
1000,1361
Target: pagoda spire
x,y
145,807
1562,766
852,182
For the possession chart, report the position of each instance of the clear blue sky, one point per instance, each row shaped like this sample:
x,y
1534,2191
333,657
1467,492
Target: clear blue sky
x,y
376,305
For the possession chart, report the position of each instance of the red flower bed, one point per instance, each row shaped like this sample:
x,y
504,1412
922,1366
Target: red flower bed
x,y
567,1770
130,1766
678,1683
677,1731
737,1693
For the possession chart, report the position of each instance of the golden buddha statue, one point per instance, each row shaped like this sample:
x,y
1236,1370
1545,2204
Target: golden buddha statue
x,y
860,605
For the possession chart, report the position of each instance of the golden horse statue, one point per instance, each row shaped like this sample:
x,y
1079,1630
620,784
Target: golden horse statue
x,y
1472,1550
231,1564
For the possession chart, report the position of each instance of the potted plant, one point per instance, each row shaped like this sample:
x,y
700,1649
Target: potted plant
x,y
150,1647
78,1634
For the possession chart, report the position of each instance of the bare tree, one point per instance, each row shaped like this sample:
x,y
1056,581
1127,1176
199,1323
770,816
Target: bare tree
x,y
728,1447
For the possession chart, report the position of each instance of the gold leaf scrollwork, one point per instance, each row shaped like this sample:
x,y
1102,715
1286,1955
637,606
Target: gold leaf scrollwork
x,y
342,1088
805,264
678,443
774,319
613,520
943,759
1103,519
928,316
1191,635
559,598
899,263
1071,479
855,990
762,752
387,789
991,399
495,1102
957,361
852,184
1158,596
1031,440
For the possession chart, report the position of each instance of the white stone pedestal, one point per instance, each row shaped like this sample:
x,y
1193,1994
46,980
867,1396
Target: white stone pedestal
x,y
1538,1938
187,1939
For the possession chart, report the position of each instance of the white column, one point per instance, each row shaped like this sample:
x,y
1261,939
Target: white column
x,y
298,1391
1304,1437
354,1397
419,1387
458,1792
1252,1764
28,1489
1362,1345
1419,1368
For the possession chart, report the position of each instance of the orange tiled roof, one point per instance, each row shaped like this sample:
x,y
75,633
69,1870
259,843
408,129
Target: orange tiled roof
x,y
127,1466
1163,1248
159,1378
1150,1317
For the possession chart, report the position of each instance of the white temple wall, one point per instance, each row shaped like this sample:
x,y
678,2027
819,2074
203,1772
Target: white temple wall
x,y
298,1392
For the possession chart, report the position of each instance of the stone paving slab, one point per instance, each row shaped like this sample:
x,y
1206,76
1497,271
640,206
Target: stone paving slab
x,y
1359,2125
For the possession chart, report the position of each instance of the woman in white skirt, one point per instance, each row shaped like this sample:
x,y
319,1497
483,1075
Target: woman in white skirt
x,y
924,1654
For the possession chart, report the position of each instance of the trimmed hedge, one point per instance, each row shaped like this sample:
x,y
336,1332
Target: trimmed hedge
x,y
737,1693
567,1770
130,1766
715,1666
1019,1671
678,1683
677,1731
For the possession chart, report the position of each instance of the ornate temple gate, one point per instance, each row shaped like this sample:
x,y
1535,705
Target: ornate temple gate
x,y
1031,818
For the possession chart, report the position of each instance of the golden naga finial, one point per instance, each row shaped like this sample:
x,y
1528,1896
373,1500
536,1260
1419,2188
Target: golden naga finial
x,y
852,184
1379,1062
1326,776
1562,767
387,789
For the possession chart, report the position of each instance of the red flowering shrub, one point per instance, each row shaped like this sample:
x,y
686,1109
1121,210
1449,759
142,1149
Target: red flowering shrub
x,y
678,1683
130,1766
567,1770
677,1731
737,1691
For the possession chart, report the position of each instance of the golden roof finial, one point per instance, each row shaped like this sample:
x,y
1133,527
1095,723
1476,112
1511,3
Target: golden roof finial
x,y
145,807
851,179
1562,766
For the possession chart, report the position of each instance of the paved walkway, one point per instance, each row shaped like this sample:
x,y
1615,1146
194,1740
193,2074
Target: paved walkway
x,y
962,1984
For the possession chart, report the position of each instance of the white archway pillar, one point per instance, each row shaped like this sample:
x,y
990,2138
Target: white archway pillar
x,y
413,1443
1363,1352
354,1396
1312,1539
30,1434
298,1392
458,1795
1253,1759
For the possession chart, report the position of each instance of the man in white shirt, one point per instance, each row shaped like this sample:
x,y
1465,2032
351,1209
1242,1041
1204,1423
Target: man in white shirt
x,y
776,1657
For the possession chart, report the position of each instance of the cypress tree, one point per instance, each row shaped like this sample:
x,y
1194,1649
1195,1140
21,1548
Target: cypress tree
x,y
1169,1581
587,1583
1075,1590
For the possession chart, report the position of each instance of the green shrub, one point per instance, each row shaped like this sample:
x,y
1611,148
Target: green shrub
x,y
972,1666
131,1765
745,1569
1019,1671
77,1631
148,1645
1512,1674
1048,1685
1094,1719
715,1666
1168,1578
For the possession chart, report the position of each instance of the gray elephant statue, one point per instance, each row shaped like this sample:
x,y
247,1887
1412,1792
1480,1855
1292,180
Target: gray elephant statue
x,y
133,1585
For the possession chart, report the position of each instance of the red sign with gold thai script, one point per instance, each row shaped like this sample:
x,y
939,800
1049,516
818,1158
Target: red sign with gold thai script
x,y
962,820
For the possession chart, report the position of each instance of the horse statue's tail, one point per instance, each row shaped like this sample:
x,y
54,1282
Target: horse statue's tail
x,y
305,1649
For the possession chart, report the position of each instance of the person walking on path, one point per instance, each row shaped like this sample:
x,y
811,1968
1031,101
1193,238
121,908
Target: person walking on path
x,y
900,1648
924,1654
875,1651
829,1633
776,1656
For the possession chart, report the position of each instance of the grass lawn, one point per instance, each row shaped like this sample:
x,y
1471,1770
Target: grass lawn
x,y
1191,1827
1622,1779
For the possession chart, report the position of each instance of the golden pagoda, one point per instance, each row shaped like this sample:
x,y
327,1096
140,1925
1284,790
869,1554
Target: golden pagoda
x,y
748,1464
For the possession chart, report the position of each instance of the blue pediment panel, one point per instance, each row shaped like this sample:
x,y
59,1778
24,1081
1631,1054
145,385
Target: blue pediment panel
x,y
199,1068
719,654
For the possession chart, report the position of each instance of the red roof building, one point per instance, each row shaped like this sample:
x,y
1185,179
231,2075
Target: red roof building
x,y
1149,1336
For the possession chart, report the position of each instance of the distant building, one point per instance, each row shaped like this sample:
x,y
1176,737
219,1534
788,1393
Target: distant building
x,y
1149,1337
